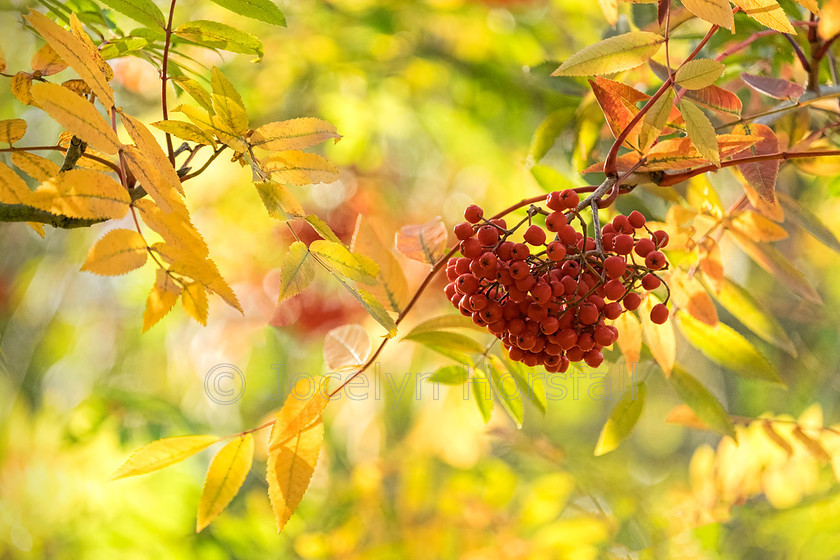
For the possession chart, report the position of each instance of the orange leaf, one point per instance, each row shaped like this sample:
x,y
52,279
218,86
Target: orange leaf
x,y
688,293
683,415
425,242
760,175
617,112
660,338
716,98
756,227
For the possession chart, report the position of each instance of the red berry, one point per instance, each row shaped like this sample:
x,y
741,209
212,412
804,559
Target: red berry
x,y
571,268
488,260
450,290
594,358
586,342
467,284
554,221
568,199
569,284
655,260
568,235
636,219
473,213
614,289
659,313
615,266
604,336
650,282
549,325
537,313
613,310
519,270
492,313
575,354
661,238
471,248
608,228
464,231
644,246
607,240
535,235
516,326
451,273
488,235
555,251
463,265
623,244
499,222
503,251
554,201
541,292
520,252
567,338
516,353
477,302
632,301
588,314
621,224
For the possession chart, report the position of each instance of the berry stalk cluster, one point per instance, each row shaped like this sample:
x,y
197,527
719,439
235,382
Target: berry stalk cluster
x,y
548,298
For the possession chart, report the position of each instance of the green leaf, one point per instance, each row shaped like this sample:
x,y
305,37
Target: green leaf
x,y
141,11
121,46
699,73
220,36
445,322
340,261
701,401
728,348
615,54
548,131
482,394
807,220
450,375
372,306
443,341
623,418
749,312
530,384
506,388
297,271
263,10
700,130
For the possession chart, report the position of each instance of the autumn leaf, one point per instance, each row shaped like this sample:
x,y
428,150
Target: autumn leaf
x,y
225,475
614,54
297,270
702,402
622,420
629,339
716,12
185,131
194,301
618,113
700,130
146,143
174,227
20,86
339,260
688,293
766,12
302,408
295,134
346,347
76,115
12,130
220,36
761,175
656,119
279,201
717,99
13,189
194,90
37,167
229,110
150,178
756,227
46,62
118,252
773,87
659,338
699,73
290,468
300,168
162,453
81,193
424,242
392,287
161,299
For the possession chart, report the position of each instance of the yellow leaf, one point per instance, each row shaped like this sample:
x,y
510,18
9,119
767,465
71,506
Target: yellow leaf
x,y
347,346
20,87
294,134
610,10
203,270
829,24
207,122
13,189
716,12
118,252
185,131
339,260
290,469
82,56
424,242
655,120
82,193
629,340
228,105
174,227
39,228
622,420
194,300
615,54
151,179
660,338
79,87
757,227
12,130
810,5
297,270
393,285
146,143
47,62
701,131
162,453
699,73
688,293
161,299
279,201
37,167
225,476
76,115
302,408
711,264
766,12
300,168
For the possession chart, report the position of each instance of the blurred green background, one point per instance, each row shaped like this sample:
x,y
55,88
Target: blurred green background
x,y
437,101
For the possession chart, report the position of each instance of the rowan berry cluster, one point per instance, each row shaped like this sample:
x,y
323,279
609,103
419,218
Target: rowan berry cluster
x,y
548,298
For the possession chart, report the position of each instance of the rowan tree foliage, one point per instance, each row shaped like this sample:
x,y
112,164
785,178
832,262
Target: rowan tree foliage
x,y
690,132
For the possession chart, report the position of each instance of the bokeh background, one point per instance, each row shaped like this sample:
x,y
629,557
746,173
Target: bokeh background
x,y
437,101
